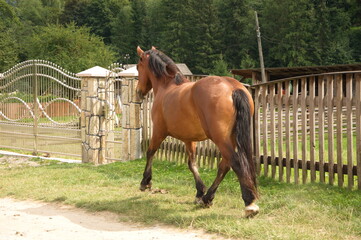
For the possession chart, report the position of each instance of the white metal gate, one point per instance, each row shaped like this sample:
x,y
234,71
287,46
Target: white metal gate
x,y
40,109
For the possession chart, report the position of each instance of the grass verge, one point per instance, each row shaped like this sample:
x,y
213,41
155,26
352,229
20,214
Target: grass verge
x,y
311,211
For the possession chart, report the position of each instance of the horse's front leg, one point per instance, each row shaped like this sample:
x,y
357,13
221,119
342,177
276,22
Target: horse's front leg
x,y
201,188
155,142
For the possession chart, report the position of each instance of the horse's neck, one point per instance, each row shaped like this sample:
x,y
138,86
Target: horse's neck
x,y
161,85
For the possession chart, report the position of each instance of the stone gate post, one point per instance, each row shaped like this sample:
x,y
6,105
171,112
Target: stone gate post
x,y
95,120
131,121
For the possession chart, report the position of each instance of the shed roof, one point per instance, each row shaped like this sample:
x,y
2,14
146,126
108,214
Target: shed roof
x,y
184,69
285,72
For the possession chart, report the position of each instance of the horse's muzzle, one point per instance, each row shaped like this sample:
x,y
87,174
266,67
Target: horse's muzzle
x,y
140,94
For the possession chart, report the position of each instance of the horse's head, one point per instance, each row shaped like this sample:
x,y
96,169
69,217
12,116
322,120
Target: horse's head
x,y
154,67
144,83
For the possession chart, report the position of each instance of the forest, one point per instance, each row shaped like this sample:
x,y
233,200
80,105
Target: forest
x,y
210,36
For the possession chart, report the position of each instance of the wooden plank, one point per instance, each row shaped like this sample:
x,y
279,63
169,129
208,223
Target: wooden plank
x,y
165,149
219,156
330,132
169,149
198,153
159,152
358,127
312,89
182,152
338,88
257,129
317,165
280,132
272,128
321,121
295,128
181,158
204,152
349,80
200,149
304,129
177,150
287,129
264,126
212,155
172,150
207,153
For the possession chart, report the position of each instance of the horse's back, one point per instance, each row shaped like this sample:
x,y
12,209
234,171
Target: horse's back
x,y
213,101
201,110
219,85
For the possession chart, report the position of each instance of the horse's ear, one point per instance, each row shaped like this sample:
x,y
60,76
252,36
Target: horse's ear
x,y
171,71
139,51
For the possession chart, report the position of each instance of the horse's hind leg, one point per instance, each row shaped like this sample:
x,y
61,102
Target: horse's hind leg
x,y
223,169
147,175
248,195
201,188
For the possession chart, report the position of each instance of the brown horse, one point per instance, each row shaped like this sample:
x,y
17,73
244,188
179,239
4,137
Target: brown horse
x,y
216,108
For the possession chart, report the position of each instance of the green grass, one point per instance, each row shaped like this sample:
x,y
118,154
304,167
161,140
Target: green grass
x,y
310,211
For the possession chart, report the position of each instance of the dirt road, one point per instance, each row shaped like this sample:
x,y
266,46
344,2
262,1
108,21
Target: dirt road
x,y
44,221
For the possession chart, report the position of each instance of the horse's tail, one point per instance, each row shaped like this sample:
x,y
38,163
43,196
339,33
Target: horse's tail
x,y
242,134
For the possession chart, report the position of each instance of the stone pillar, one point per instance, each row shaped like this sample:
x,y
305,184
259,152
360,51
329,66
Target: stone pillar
x,y
95,121
131,121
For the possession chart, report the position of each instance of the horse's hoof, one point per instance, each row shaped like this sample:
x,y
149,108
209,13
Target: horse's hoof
x,y
251,210
145,187
198,201
207,205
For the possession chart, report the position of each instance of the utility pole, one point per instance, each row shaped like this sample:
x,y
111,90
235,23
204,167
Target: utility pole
x,y
263,72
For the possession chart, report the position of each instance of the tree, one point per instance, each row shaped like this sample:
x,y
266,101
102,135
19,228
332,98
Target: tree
x,y
238,39
155,23
190,33
333,23
71,47
39,12
8,46
204,31
122,35
98,15
355,36
74,11
287,30
220,67
98,18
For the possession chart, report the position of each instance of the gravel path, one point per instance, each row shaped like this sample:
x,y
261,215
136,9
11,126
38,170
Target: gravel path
x,y
44,221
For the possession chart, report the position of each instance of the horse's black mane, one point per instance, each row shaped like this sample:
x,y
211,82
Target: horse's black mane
x,y
160,64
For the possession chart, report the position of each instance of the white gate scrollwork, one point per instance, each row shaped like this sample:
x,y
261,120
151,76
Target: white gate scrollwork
x,y
40,109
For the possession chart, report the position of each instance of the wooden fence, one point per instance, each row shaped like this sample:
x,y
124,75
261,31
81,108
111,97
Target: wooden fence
x,y
59,108
308,128
305,129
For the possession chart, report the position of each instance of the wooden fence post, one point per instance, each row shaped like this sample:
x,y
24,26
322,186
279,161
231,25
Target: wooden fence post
x,y
94,123
131,122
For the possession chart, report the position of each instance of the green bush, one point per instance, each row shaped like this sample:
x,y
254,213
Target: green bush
x,y
71,47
